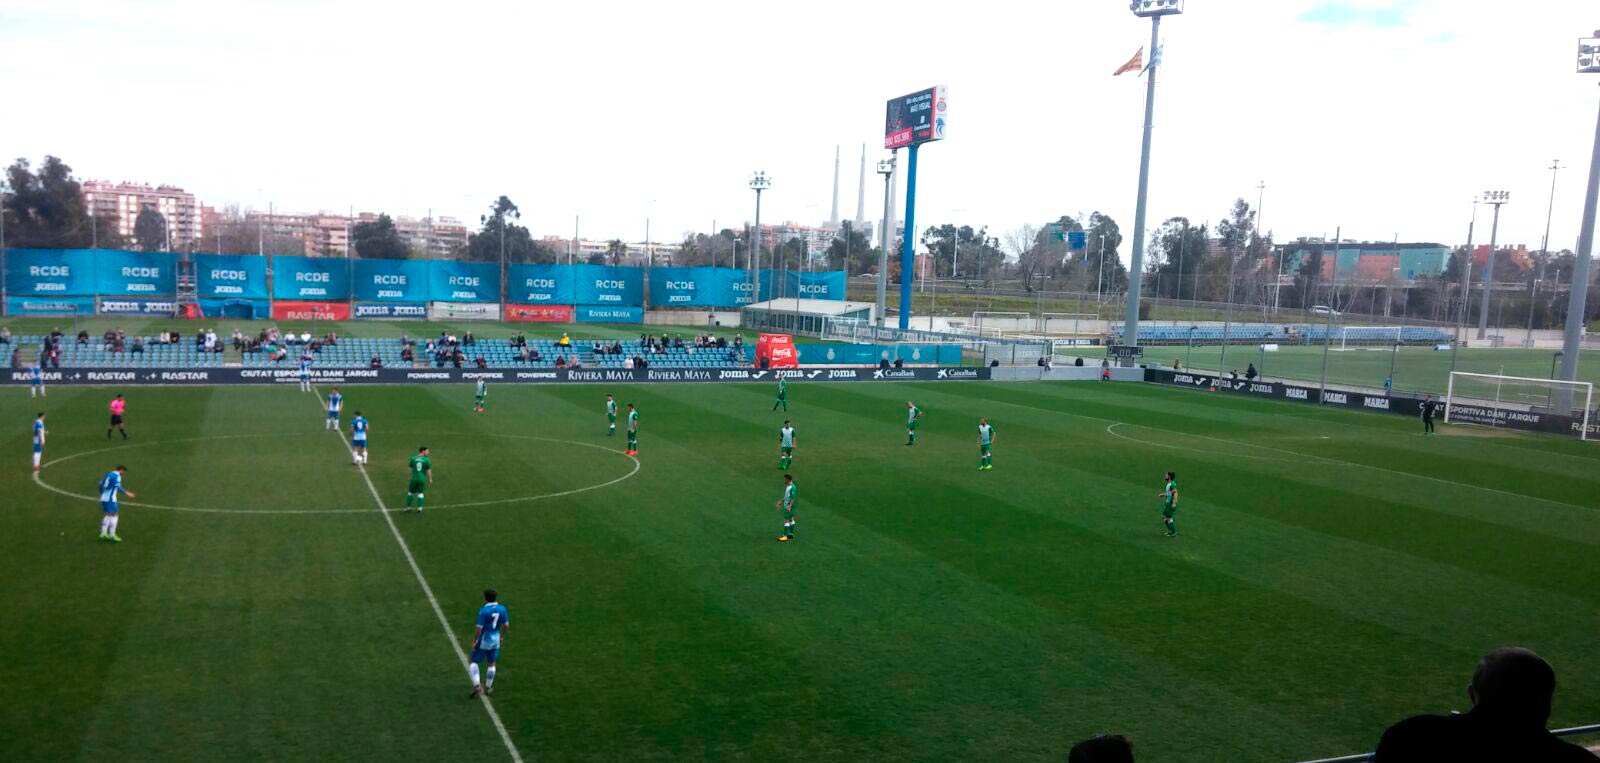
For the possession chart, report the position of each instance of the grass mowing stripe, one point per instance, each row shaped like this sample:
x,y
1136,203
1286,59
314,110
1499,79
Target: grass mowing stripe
x,y
427,590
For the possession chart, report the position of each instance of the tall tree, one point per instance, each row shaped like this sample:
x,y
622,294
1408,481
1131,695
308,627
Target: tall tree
x,y
1103,264
380,240
1178,252
616,251
150,230
499,228
852,252
45,209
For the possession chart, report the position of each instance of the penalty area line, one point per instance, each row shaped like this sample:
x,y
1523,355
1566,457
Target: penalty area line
x,y
427,590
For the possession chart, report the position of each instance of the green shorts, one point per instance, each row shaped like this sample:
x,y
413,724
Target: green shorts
x,y
912,425
787,451
480,399
788,513
611,417
417,487
984,449
1167,511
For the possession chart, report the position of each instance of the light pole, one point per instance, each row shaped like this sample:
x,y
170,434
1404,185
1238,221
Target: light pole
x,y
1498,199
758,182
1153,10
1100,279
1577,296
1466,287
886,169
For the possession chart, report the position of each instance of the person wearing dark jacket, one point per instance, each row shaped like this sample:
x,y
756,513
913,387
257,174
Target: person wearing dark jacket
x,y
1510,693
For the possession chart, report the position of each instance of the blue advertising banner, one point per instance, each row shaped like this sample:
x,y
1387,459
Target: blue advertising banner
x,y
231,276
391,280
869,354
733,288
135,274
463,281
138,307
683,287
827,285
50,306
310,278
417,310
602,285
608,314
50,272
247,309
541,284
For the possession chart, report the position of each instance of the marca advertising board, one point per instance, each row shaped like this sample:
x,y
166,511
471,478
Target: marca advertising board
x,y
391,310
288,373
301,310
230,276
539,313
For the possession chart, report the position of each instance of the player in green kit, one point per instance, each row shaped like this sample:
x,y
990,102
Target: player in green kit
x,y
785,445
421,469
611,415
483,392
985,445
1169,505
633,431
913,413
791,497
783,396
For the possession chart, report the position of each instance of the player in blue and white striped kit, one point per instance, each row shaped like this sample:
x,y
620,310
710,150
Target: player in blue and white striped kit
x,y
110,487
358,439
38,440
36,380
493,622
335,405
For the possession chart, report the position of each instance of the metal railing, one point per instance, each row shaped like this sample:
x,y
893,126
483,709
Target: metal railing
x,y
1593,728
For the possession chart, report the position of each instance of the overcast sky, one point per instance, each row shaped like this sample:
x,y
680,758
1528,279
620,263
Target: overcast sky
x,y
1383,117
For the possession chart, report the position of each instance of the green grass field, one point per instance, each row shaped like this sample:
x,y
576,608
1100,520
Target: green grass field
x,y
1335,572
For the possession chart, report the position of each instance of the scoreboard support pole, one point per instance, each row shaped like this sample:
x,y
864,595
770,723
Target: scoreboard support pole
x,y
909,247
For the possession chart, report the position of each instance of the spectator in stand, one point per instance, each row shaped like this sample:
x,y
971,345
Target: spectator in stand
x,y
1250,373
576,363
883,362
535,355
677,342
331,340
5,335
565,341
407,355
1510,694
83,338
481,363
238,340
138,345
899,363
627,364
16,357
1106,748
55,334
377,362
117,344
561,361
616,347
468,339
721,343
459,358
305,337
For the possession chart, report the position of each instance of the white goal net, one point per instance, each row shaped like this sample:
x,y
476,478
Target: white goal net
x,y
1515,402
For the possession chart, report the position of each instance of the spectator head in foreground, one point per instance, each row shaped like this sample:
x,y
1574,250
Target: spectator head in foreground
x,y
1105,748
1511,691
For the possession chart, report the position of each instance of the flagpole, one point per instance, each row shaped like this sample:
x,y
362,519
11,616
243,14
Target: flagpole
x,y
1130,330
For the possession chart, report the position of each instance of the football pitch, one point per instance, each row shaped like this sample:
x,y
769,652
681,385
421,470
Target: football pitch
x,y
1334,572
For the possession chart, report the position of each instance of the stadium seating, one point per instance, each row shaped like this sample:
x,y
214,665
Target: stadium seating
x,y
94,354
1295,333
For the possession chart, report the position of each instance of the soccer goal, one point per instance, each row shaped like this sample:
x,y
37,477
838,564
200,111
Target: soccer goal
x,y
1066,323
1003,321
1515,402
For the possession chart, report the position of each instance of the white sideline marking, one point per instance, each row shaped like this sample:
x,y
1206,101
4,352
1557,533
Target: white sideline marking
x,y
438,612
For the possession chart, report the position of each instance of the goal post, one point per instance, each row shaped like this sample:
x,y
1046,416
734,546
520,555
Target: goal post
x,y
1007,321
1517,402
1369,336
1062,320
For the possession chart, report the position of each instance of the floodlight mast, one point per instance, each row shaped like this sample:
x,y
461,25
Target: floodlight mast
x,y
758,182
1153,10
886,169
1498,199
1577,297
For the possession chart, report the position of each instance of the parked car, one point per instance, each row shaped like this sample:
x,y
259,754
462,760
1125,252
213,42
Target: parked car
x,y
1323,310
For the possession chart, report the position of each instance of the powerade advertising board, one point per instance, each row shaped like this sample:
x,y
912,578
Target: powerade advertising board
x,y
463,281
50,272
916,118
540,284
230,276
135,274
602,285
310,278
391,281
289,374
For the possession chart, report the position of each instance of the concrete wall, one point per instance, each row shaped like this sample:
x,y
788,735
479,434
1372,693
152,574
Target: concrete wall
x,y
700,318
1068,373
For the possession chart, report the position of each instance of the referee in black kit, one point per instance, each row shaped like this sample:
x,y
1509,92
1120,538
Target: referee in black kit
x,y
1429,407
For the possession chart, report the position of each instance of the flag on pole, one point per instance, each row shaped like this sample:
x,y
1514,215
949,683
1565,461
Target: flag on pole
x,y
1135,64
